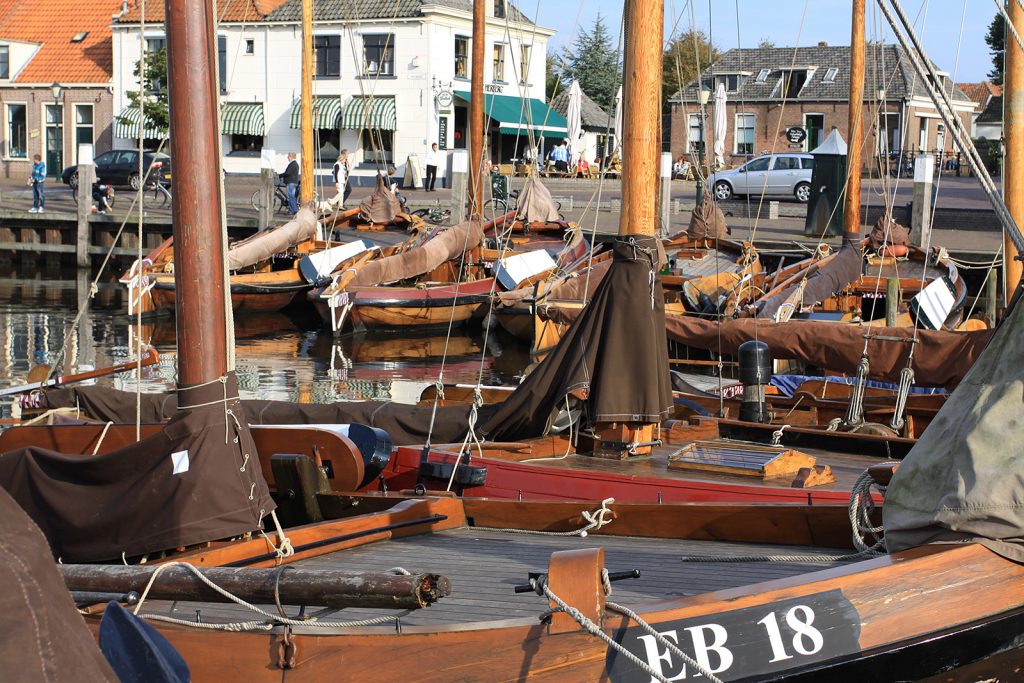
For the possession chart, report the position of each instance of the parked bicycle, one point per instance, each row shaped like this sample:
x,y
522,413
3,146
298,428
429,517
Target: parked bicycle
x,y
498,206
280,200
434,215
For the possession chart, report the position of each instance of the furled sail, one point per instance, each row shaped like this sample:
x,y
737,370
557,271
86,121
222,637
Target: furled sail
x,y
263,245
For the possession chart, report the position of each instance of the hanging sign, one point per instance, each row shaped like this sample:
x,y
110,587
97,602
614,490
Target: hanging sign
x,y
796,135
442,133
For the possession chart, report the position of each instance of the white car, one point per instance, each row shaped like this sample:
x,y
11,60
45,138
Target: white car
x,y
786,175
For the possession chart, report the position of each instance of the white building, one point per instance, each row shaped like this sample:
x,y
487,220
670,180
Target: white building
x,y
389,81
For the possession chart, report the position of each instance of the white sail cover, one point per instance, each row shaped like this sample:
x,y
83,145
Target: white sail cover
x,y
618,122
574,117
535,203
963,480
720,125
263,245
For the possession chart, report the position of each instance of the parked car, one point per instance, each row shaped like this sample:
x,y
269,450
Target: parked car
x,y
787,174
120,167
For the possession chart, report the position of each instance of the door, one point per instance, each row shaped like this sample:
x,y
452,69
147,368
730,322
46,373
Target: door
x,y
784,174
815,125
922,136
753,176
53,139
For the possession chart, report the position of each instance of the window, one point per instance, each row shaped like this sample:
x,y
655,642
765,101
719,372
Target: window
x,y
499,9
5,61
732,82
762,75
499,62
696,133
461,57
830,75
250,46
16,131
787,163
745,134
807,162
327,56
760,164
379,54
792,83
378,146
222,62
524,64
83,126
246,145
330,145
155,44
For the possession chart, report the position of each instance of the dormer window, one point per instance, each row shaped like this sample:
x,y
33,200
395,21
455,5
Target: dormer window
x,y
79,37
762,75
791,83
5,61
830,75
732,82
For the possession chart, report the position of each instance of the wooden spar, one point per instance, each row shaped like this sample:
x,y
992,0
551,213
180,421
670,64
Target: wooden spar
x,y
199,234
476,108
1013,162
293,585
306,121
851,208
151,358
641,89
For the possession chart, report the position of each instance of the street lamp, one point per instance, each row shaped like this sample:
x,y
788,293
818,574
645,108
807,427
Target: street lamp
x,y
705,95
55,89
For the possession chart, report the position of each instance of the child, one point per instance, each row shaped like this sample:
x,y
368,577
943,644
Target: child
x,y
36,181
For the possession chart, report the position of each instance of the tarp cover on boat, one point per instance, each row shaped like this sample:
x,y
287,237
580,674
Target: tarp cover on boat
x,y
942,358
963,480
829,279
535,203
263,245
44,638
707,222
382,205
189,483
888,231
420,260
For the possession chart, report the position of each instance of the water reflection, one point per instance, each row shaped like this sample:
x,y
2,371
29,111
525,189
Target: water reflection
x,y
285,356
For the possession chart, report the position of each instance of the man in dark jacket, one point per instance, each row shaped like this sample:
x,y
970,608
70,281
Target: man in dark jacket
x,y
291,181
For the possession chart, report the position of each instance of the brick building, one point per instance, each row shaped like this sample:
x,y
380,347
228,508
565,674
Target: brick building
x,y
771,90
55,82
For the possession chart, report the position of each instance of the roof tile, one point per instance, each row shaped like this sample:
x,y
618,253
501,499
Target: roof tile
x,y
228,10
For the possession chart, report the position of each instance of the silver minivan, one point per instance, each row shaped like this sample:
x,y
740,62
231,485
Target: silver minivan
x,y
787,174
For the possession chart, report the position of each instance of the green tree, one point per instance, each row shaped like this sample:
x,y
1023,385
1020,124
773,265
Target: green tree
x,y
155,113
553,80
594,62
996,39
684,60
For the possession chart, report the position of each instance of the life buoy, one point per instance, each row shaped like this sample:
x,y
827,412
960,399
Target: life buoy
x,y
896,250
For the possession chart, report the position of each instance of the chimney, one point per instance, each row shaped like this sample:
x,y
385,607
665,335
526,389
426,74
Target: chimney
x,y
822,43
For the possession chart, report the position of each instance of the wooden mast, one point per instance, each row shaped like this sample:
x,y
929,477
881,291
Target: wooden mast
x,y
476,108
199,235
851,208
1013,162
306,121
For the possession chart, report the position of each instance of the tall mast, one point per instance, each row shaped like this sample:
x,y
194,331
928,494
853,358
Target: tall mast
x,y
641,117
199,235
306,121
1013,162
851,208
476,107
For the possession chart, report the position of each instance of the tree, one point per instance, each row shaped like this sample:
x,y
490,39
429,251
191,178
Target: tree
x,y
155,112
684,60
766,43
996,39
594,62
553,79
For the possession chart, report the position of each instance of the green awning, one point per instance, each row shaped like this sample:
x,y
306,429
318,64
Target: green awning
x,y
517,115
371,112
126,126
242,118
326,112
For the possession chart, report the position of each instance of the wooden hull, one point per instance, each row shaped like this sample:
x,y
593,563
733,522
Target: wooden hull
x,y
411,307
257,292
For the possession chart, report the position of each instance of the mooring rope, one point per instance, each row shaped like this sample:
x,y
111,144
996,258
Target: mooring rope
x,y
595,520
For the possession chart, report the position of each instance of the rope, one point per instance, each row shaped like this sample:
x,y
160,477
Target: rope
x,y
777,434
595,520
285,550
855,413
253,625
906,381
103,435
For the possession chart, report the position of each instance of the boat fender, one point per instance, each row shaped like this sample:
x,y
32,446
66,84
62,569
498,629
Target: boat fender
x,y
897,250
755,361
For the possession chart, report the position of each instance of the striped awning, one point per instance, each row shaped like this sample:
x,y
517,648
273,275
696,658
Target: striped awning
x,y
372,112
326,112
126,126
242,118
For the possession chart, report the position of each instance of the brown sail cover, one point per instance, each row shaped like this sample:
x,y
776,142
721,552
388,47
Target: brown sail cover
x,y
420,260
45,639
148,496
888,231
381,206
535,203
263,245
707,222
826,281
941,358
963,481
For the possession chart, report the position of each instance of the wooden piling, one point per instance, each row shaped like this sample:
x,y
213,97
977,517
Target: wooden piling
x,y
892,301
86,177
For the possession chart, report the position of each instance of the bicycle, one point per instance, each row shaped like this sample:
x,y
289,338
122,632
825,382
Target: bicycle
x,y
435,215
161,195
279,202
497,206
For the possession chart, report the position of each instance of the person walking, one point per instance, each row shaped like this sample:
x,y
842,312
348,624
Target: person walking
x,y
36,180
434,159
342,168
291,181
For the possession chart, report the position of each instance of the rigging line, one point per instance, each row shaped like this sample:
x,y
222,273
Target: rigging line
x,y
139,256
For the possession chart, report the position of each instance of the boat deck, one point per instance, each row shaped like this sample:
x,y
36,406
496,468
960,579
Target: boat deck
x,y
484,565
714,262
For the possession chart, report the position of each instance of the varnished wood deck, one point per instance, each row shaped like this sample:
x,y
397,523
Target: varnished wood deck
x,y
484,566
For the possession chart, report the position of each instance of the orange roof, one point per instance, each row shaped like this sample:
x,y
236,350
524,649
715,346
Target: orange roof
x,y
52,24
229,10
981,92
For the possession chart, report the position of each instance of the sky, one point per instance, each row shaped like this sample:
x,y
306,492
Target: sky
x,y
796,22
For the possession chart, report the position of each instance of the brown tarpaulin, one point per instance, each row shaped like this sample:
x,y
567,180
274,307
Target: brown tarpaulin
x,y
888,231
535,203
420,260
707,222
45,639
263,245
826,281
381,206
941,358
188,484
